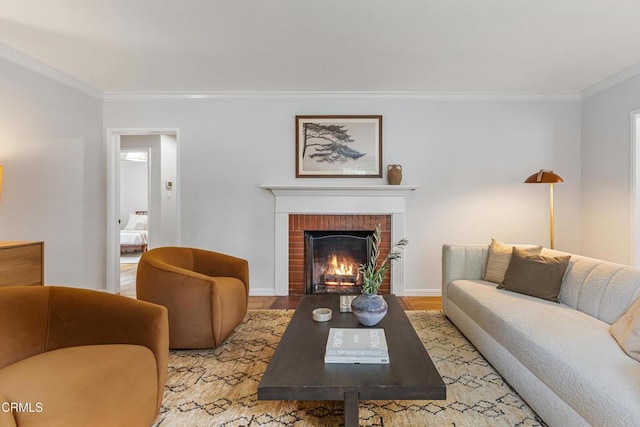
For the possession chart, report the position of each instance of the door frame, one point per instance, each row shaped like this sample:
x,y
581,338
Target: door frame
x,y
634,185
112,145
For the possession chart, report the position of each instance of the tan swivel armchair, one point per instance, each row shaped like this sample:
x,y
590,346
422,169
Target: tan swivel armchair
x,y
206,293
76,357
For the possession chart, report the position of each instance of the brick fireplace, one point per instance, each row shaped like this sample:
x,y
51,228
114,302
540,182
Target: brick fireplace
x,y
301,223
300,207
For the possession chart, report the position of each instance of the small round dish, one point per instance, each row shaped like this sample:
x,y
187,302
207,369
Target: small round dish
x,y
321,314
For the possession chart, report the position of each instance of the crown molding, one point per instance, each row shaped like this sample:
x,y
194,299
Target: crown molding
x,y
423,95
34,65
611,81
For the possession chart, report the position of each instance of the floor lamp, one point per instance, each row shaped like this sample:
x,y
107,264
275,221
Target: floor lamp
x,y
546,177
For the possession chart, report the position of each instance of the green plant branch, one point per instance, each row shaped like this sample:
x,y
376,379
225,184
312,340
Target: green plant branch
x,y
373,274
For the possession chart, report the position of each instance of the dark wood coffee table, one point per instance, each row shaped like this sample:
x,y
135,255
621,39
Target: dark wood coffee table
x,y
297,370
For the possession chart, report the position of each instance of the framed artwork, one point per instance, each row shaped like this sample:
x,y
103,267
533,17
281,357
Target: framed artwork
x,y
338,146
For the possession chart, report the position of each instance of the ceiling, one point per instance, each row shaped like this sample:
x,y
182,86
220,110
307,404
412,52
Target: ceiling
x,y
328,45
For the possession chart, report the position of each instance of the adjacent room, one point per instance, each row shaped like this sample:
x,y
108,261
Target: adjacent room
x,y
294,213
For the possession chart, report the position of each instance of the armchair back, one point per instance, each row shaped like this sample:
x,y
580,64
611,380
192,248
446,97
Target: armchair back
x,y
37,319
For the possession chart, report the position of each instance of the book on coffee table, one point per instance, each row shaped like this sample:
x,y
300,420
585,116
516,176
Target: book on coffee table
x,y
356,345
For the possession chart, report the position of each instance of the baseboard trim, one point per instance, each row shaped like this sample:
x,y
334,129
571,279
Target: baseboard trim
x,y
422,292
261,292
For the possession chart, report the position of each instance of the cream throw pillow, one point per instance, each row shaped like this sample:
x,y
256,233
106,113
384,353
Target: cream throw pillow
x,y
499,257
626,330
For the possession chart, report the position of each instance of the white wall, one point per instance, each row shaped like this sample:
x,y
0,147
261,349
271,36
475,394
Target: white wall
x,y
469,158
606,166
53,185
134,189
169,197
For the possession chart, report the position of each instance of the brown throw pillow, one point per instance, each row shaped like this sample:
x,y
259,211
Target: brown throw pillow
x,y
535,275
626,330
499,257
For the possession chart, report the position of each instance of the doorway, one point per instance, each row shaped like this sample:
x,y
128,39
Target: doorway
x,y
134,201
155,215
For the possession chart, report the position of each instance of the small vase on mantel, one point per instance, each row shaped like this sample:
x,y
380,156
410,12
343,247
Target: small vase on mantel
x,y
369,307
394,174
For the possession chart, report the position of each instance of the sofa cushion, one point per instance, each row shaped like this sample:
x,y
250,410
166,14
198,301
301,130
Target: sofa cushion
x,y
626,331
535,275
84,386
499,257
602,289
563,347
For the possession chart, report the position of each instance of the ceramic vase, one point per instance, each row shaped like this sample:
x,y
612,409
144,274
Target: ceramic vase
x,y
369,309
394,174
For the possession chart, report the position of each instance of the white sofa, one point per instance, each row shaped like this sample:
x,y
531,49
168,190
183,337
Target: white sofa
x,y
560,358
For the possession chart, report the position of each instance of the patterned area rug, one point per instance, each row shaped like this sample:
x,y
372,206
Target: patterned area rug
x,y
219,387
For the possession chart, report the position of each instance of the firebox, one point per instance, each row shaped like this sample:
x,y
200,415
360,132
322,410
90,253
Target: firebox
x,y
332,259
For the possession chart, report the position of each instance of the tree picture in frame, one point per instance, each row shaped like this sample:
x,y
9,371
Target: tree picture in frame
x,y
338,146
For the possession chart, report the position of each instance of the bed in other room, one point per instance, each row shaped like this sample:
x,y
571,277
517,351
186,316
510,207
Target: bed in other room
x,y
134,236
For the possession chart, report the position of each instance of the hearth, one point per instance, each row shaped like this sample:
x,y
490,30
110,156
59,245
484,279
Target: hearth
x,y
332,258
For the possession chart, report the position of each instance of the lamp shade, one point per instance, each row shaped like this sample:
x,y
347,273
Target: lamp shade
x,y
544,177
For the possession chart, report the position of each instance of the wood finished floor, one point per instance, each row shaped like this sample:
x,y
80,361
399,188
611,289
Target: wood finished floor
x,y
128,289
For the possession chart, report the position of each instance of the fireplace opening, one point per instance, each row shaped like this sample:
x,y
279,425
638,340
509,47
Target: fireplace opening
x,y
332,259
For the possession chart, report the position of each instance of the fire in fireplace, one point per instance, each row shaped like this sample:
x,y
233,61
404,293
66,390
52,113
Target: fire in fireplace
x,y
332,259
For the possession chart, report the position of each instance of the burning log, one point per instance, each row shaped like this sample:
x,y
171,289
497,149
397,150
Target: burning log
x,y
339,279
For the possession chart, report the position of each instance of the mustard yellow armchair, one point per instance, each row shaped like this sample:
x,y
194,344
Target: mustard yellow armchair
x,y
205,292
76,357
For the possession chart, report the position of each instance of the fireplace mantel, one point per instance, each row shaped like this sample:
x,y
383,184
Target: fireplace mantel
x,y
401,190
337,200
